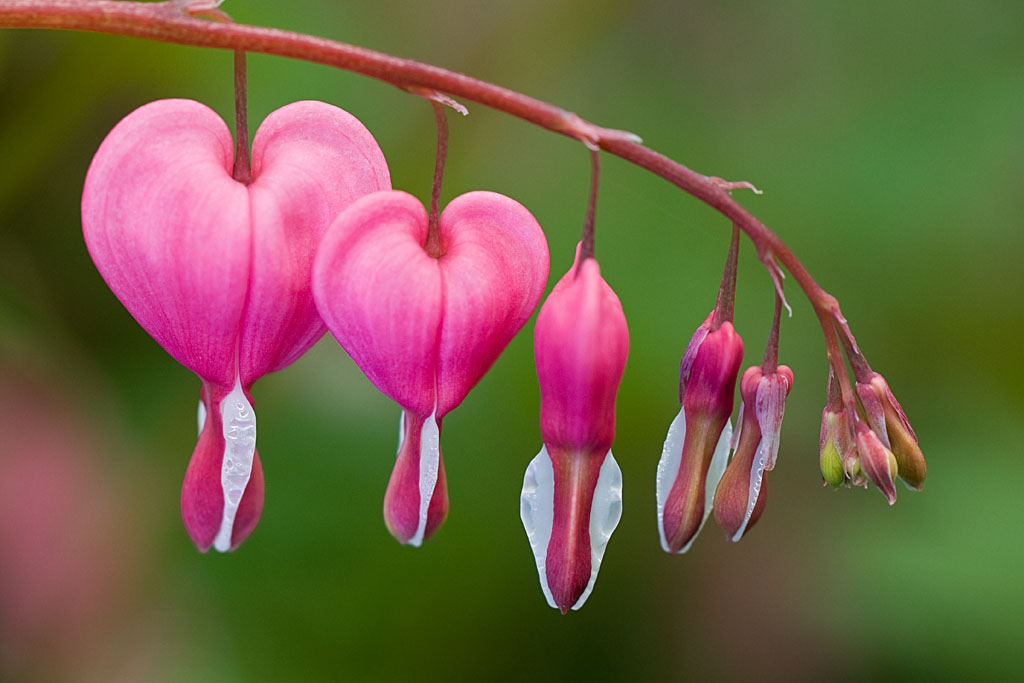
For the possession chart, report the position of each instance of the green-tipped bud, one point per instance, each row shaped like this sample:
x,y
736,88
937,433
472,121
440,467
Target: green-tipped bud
x,y
835,443
831,465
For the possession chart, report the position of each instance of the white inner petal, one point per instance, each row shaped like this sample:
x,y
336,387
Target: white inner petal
x,y
537,510
201,416
668,469
239,425
430,457
605,513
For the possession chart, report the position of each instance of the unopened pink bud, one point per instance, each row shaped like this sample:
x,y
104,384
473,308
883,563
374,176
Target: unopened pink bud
x,y
741,494
696,448
572,491
893,429
876,461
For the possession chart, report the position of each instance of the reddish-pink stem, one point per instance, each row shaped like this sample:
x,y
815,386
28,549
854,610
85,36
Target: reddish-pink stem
x,y
433,245
243,168
169,22
587,239
726,302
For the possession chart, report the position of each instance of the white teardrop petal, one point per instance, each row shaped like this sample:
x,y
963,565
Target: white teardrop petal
x,y
605,513
239,428
537,510
668,469
430,457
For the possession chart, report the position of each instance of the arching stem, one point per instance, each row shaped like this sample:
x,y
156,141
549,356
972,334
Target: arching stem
x,y
169,22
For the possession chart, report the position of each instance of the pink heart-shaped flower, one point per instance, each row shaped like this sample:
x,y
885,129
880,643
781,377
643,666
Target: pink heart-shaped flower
x,y
218,271
425,329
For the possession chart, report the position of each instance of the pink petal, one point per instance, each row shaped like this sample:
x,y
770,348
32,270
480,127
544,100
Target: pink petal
x,y
380,294
169,230
580,343
494,267
310,161
691,353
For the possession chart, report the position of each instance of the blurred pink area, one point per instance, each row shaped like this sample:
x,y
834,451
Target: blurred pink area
x,y
68,564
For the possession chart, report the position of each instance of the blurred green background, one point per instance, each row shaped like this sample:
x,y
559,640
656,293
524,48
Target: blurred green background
x,y
888,138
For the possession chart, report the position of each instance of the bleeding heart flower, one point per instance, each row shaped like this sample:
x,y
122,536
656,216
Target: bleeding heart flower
x,y
218,271
572,492
425,328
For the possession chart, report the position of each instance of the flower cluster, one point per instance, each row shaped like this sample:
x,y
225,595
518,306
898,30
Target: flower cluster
x,y
868,438
236,276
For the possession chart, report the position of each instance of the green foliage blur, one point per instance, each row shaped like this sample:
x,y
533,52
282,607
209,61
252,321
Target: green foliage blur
x,y
888,138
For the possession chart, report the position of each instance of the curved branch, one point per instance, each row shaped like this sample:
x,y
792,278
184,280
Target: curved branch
x,y
169,22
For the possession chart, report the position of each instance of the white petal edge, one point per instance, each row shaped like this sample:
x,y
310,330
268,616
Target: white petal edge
x,y
200,417
767,448
239,426
430,457
668,470
537,511
605,513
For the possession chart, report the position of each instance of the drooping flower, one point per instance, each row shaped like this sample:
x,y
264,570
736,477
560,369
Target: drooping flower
x,y
742,491
425,328
217,271
697,446
572,492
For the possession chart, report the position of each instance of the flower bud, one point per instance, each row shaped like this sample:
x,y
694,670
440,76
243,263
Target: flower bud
x,y
836,442
741,494
876,461
890,423
697,446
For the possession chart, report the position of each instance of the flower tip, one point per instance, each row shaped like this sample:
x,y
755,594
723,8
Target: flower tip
x,y
570,523
416,501
222,495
